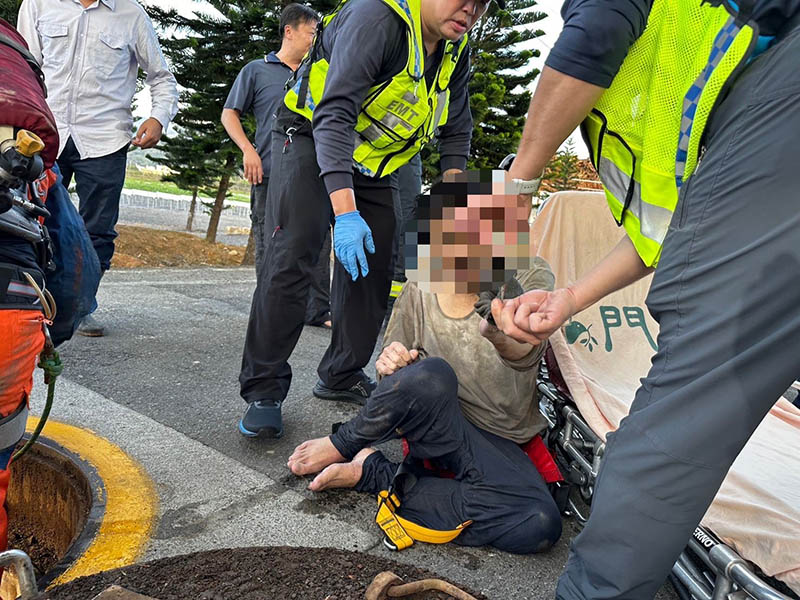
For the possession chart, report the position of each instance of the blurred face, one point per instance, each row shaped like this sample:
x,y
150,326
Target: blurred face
x,y
300,37
451,19
478,237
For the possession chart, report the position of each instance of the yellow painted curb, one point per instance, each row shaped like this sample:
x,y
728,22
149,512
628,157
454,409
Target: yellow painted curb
x,y
131,500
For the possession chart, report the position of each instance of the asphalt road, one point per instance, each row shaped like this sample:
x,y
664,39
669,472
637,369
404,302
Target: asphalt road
x,y
172,354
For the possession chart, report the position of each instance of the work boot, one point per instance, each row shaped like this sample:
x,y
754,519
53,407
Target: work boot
x,y
355,394
262,418
90,327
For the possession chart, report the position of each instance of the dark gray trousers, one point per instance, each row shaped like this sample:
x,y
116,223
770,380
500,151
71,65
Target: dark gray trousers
x,y
727,299
318,308
409,185
298,215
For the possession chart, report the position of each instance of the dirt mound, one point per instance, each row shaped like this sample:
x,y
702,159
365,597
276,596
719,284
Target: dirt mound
x,y
282,573
143,247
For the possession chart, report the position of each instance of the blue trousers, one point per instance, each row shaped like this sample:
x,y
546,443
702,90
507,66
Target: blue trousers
x,y
99,183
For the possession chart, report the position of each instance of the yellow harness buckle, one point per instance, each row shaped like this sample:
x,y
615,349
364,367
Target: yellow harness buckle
x,y
401,533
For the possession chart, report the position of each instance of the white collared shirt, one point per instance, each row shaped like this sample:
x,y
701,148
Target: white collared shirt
x,y
90,58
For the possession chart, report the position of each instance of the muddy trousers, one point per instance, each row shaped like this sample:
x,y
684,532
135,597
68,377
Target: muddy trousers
x,y
726,297
496,485
299,214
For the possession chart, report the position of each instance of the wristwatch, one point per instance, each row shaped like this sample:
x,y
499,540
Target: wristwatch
x,y
521,186
526,186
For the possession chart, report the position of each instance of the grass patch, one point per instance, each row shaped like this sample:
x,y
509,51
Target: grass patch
x,y
151,182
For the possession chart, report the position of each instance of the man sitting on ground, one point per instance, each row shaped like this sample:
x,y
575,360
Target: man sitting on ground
x,y
458,390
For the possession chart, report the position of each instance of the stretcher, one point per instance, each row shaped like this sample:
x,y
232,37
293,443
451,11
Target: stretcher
x,y
748,544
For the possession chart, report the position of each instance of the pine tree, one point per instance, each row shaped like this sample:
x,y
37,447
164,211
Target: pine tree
x,y
499,94
9,10
206,52
562,170
187,168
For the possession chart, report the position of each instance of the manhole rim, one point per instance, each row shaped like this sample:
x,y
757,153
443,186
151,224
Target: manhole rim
x,y
94,517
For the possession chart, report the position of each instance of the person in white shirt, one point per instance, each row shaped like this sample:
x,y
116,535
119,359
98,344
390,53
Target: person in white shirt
x,y
90,52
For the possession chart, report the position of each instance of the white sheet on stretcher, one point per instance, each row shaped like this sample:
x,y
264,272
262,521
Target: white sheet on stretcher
x,y
757,510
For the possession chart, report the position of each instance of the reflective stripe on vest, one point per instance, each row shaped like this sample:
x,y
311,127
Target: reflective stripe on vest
x,y
653,219
722,44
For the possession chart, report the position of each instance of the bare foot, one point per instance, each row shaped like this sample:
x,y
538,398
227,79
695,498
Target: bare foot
x,y
339,475
313,456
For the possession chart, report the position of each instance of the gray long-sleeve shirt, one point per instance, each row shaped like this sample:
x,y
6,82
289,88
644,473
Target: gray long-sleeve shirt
x,y
597,34
367,44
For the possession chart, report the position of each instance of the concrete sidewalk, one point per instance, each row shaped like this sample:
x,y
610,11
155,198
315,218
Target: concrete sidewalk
x,y
162,386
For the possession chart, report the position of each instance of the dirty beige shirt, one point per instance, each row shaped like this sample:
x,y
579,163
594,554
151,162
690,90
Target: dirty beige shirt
x,y
496,395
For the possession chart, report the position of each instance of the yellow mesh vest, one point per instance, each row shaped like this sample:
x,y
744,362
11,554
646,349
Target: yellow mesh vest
x,y
644,133
398,116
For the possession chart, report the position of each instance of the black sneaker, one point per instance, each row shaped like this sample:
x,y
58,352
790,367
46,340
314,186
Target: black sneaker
x,y
262,418
355,394
90,327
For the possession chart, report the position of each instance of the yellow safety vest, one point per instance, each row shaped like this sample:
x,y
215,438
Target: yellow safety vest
x,y
644,133
398,116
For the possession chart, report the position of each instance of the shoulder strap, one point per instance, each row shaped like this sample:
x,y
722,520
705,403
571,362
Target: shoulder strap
x,y
25,53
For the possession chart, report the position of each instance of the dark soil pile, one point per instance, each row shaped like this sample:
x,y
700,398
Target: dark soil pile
x,y
22,536
280,573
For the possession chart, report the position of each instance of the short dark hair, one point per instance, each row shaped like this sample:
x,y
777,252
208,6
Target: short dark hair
x,y
296,14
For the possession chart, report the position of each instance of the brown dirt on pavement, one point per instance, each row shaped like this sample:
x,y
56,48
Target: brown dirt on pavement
x,y
143,247
280,573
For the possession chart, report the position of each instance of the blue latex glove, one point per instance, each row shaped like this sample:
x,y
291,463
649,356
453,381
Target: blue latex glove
x,y
351,235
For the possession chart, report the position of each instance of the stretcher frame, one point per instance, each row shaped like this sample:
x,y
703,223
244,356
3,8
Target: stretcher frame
x,y
707,569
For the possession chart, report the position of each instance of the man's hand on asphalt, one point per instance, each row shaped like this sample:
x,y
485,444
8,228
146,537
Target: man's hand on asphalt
x,y
394,357
351,235
253,170
148,135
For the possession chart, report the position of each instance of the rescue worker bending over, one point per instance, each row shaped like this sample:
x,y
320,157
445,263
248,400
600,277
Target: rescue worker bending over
x,y
381,78
458,390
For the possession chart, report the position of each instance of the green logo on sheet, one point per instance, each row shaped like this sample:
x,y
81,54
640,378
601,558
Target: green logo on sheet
x,y
578,332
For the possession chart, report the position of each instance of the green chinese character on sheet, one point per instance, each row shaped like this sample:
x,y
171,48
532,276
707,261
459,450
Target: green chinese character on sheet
x,y
634,316
611,318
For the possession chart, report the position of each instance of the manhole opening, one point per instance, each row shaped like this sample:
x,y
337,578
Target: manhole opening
x,y
54,508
